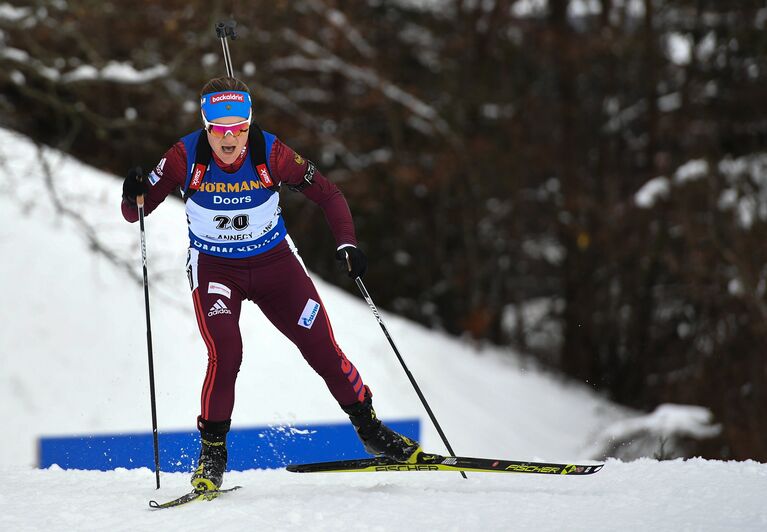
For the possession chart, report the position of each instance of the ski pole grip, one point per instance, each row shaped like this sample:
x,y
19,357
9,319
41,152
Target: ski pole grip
x,y
348,262
140,200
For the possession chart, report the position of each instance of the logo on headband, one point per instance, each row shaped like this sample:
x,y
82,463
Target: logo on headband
x,y
227,97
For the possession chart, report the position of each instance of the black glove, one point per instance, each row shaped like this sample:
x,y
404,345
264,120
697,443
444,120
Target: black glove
x,y
134,184
355,262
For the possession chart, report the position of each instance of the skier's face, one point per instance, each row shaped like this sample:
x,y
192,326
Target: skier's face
x,y
229,146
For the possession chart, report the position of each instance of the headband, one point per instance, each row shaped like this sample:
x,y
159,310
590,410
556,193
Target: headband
x,y
227,103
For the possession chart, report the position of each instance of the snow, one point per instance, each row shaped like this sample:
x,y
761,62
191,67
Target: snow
x,y
209,59
578,8
12,13
745,194
529,8
17,77
761,18
679,48
661,433
23,58
652,191
691,171
660,187
117,72
583,8
706,47
113,71
434,6
744,173
632,8
249,68
667,420
73,354
670,102
544,248
675,495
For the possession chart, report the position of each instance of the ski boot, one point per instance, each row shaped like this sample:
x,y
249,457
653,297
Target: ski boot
x,y
378,439
212,463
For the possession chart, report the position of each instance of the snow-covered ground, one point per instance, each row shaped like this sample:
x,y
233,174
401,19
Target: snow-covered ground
x,y
677,496
73,358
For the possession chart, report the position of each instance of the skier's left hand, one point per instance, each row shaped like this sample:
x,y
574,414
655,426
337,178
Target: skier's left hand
x,y
134,185
354,260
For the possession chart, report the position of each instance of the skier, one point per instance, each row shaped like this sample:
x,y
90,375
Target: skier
x,y
229,173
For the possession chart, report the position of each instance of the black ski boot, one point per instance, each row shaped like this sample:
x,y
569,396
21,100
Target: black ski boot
x,y
212,463
378,439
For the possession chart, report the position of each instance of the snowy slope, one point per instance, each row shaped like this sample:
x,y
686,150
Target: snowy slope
x,y
73,346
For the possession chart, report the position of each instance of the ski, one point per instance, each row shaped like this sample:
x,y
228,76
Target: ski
x,y
207,495
435,462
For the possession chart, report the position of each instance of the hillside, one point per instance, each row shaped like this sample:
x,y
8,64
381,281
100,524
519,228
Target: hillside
x,y
74,351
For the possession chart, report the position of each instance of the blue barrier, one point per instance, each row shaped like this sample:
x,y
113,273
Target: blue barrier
x,y
249,448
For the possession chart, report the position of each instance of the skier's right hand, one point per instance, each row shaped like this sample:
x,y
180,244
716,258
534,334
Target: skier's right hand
x,y
354,260
134,185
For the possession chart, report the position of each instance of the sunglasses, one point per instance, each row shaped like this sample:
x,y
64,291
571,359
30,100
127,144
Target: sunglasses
x,y
221,130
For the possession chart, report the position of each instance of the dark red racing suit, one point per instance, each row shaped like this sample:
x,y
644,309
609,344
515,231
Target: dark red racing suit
x,y
276,280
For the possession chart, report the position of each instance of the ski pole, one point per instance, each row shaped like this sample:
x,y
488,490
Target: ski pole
x,y
224,30
372,306
140,204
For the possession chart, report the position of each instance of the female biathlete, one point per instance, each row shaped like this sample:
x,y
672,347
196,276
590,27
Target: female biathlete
x,y
229,173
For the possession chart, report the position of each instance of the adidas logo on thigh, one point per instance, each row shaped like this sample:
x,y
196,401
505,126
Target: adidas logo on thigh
x,y
219,307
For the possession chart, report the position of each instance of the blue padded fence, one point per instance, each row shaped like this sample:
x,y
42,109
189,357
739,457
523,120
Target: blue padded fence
x,y
249,448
